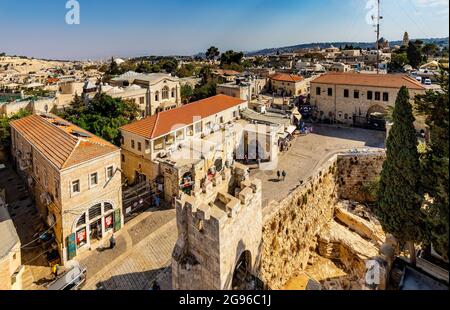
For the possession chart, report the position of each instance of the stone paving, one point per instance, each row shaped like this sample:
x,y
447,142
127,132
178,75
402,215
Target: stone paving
x,y
308,152
27,222
142,255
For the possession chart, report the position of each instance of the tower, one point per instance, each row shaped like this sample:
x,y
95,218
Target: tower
x,y
405,39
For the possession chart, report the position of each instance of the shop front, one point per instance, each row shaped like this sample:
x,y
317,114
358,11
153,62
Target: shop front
x,y
93,226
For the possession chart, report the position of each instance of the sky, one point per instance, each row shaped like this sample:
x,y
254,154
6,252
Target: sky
x,y
125,28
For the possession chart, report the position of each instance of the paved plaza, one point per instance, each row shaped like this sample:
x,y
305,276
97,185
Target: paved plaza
x,y
308,152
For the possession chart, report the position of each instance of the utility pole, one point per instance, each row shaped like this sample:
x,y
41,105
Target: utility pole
x,y
379,17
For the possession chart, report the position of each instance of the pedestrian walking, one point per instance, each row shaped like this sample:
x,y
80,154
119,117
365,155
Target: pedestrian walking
x,y
156,286
278,175
55,270
284,175
112,242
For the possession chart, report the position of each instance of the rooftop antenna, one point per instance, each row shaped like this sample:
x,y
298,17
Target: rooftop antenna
x,y
378,19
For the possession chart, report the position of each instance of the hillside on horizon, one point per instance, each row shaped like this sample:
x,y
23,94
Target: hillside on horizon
x,y
363,45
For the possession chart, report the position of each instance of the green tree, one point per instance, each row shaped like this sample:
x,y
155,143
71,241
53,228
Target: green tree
x,y
104,116
435,107
212,53
414,54
398,61
144,67
231,57
204,91
113,68
429,49
399,204
186,93
5,128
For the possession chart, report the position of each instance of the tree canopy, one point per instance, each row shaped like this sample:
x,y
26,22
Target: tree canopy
x,y
103,116
5,128
212,53
231,57
435,164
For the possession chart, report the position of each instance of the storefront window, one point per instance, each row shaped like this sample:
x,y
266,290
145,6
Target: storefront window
x,y
92,225
109,222
81,237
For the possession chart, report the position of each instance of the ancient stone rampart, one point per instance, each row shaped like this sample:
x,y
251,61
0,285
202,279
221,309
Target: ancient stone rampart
x,y
291,227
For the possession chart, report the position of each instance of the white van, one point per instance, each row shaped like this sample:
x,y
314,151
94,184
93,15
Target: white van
x,y
427,82
72,279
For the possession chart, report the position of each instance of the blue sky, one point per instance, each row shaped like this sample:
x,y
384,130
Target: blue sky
x,y
168,27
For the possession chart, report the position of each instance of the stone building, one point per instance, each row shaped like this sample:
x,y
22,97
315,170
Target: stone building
x,y
243,89
181,144
163,90
287,84
133,93
342,97
180,149
217,248
74,177
11,268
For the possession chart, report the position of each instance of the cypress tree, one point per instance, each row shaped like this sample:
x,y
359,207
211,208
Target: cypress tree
x,y
399,204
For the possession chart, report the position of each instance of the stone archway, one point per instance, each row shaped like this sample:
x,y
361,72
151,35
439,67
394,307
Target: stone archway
x,y
242,271
376,108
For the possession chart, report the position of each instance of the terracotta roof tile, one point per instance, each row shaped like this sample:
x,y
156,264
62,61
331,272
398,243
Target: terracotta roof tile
x,y
58,144
164,122
359,79
282,77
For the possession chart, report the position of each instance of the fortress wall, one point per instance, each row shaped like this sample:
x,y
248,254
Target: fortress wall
x,y
291,226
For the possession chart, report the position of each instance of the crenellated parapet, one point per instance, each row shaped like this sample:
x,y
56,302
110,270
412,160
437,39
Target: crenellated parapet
x,y
214,230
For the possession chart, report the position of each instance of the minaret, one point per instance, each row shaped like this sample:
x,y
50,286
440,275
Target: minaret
x,y
405,39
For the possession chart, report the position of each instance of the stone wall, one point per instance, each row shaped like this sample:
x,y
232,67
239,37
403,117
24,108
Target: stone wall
x,y
356,173
291,227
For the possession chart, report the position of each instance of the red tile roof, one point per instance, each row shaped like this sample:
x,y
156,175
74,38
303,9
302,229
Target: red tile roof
x,y
374,80
282,77
164,122
58,144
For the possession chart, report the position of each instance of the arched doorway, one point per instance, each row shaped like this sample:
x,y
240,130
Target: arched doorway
x,y
242,272
376,109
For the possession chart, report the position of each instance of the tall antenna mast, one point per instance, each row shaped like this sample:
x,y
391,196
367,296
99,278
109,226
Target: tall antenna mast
x,y
378,19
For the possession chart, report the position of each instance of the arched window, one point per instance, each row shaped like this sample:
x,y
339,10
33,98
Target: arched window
x,y
95,211
165,93
157,96
108,207
173,93
82,221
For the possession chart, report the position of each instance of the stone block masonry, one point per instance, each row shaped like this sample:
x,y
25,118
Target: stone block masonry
x,y
291,227
224,237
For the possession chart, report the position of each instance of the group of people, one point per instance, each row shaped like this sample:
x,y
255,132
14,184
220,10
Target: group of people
x,y
281,174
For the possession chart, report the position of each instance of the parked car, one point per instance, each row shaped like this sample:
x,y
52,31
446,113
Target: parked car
x,y
427,82
73,278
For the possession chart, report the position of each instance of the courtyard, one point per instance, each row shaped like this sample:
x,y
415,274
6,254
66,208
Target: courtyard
x,y
308,152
